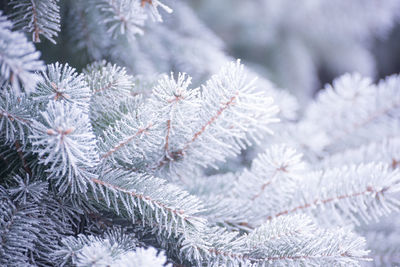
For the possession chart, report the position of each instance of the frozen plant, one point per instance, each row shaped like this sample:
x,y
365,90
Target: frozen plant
x,y
108,167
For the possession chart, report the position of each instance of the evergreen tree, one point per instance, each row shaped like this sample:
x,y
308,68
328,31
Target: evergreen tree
x,y
125,163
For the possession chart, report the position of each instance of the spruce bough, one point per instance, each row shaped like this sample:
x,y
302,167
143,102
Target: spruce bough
x,y
101,167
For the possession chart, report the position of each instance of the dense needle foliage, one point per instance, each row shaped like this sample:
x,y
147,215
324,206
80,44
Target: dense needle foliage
x,y
158,149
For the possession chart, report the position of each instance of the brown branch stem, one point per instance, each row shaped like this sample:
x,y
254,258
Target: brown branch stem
x,y
265,185
108,86
368,190
129,139
370,118
177,212
210,121
13,117
36,38
21,156
276,258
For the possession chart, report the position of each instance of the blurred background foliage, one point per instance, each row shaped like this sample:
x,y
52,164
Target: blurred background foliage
x,y
302,45
298,45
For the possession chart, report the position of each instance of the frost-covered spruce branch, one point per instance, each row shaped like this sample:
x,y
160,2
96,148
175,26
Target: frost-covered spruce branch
x,y
128,16
376,114
113,92
62,138
288,240
105,149
38,17
370,193
271,181
162,207
31,221
55,138
178,127
19,59
375,119
153,206
386,151
279,183
15,117
115,247
182,38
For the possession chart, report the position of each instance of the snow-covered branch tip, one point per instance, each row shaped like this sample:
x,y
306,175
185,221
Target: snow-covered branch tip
x,y
63,139
128,17
19,59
